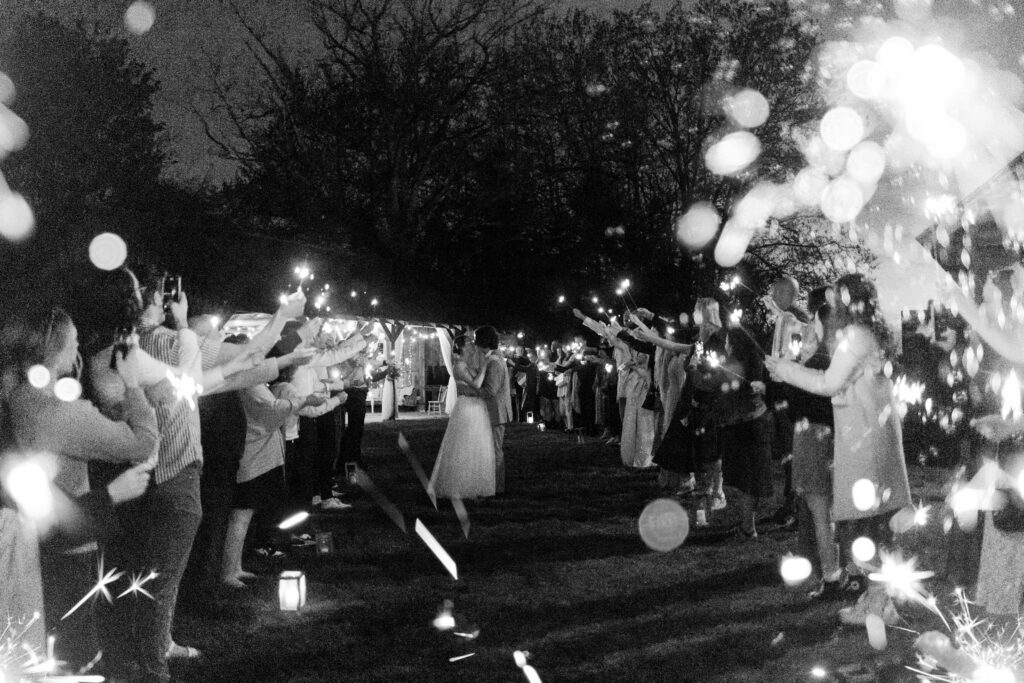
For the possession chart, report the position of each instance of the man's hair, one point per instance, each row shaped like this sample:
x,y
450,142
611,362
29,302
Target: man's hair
x,y
487,337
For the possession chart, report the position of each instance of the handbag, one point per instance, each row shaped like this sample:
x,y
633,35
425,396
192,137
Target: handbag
x,y
652,401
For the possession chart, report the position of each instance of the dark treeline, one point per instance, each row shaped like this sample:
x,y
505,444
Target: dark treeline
x,y
463,161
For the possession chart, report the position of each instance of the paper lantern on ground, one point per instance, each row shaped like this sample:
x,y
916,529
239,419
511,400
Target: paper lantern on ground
x,y
291,590
324,543
529,418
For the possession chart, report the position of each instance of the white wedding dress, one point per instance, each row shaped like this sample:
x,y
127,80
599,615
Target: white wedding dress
x,y
465,462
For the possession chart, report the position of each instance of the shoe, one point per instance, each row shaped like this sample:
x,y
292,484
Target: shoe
x,y
687,487
302,540
182,652
334,505
269,553
718,502
741,534
875,602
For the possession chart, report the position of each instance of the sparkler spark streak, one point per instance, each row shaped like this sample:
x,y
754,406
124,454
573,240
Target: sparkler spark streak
x,y
460,657
403,444
390,509
460,512
435,547
137,583
105,579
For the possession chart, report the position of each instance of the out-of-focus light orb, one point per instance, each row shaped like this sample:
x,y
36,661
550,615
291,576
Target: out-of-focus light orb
x,y
795,570
894,54
732,153
67,389
866,162
748,108
819,672
107,251
664,525
841,128
947,139
732,245
876,632
139,17
7,88
16,219
13,132
937,72
986,673
863,549
38,376
865,494
29,485
841,200
808,185
698,226
866,79
561,298
519,657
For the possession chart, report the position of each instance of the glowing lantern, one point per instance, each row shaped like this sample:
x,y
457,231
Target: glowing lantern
x,y
324,543
291,590
529,418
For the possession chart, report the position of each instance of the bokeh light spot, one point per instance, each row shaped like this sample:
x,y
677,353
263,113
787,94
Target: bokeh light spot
x,y
863,549
67,389
697,227
16,219
664,525
748,108
139,17
865,495
38,376
841,128
107,251
795,570
732,153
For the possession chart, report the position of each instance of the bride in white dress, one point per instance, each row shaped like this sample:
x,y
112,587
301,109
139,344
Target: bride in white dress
x,y
465,463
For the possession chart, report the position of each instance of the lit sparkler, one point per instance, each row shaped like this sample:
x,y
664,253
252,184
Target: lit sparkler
x,y
137,583
417,467
105,579
1010,393
185,388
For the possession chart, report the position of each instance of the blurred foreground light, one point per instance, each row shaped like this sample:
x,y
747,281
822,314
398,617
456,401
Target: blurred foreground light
x,y
664,525
16,219
866,79
7,89
698,226
842,200
732,153
38,376
139,17
895,54
748,108
732,245
863,549
866,162
107,251
841,128
795,570
29,486
808,186
67,389
865,495
294,520
13,132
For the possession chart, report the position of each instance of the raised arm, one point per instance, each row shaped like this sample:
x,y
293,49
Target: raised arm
x,y
490,385
845,362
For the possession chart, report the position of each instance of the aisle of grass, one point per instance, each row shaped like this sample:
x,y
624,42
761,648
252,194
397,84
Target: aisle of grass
x,y
556,567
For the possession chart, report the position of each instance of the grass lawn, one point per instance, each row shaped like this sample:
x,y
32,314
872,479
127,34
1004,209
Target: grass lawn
x,y
555,567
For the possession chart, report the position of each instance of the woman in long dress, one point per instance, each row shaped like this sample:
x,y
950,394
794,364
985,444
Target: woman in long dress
x,y
868,435
465,463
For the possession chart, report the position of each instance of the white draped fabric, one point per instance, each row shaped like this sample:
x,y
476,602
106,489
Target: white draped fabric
x,y
445,339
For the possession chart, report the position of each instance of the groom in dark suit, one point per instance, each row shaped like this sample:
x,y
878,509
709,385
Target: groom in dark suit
x,y
496,393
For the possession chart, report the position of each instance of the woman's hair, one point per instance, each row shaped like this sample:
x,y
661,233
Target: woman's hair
x,y
102,305
857,304
32,337
817,298
459,343
744,351
826,314
708,308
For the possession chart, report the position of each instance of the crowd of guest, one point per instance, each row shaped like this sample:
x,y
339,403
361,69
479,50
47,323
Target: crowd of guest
x,y
713,405
165,482
174,450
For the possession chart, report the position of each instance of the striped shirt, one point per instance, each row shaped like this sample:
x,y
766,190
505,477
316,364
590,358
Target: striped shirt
x,y
177,420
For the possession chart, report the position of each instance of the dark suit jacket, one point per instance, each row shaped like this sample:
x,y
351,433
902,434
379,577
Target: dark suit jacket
x,y
495,390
